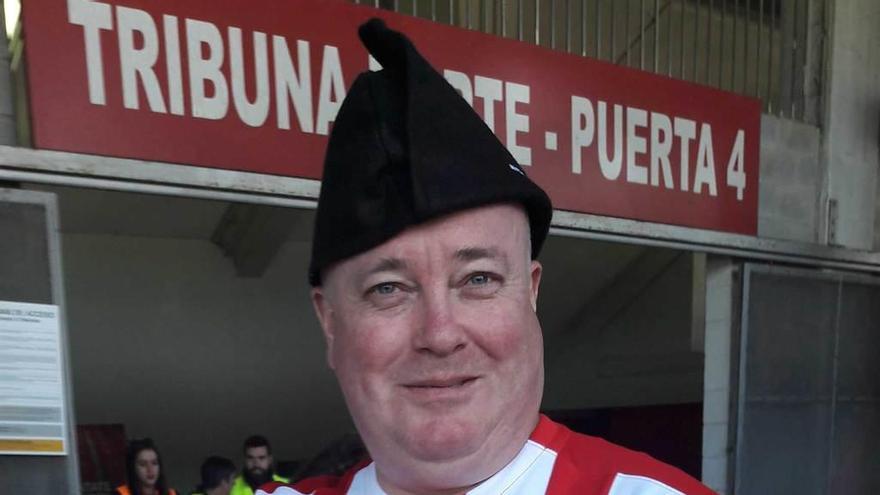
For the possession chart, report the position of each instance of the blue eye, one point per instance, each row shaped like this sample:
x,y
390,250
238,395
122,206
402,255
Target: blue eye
x,y
385,289
480,279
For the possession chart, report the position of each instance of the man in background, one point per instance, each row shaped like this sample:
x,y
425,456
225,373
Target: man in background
x,y
218,475
259,466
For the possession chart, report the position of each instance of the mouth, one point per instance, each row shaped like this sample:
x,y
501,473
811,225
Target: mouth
x,y
448,383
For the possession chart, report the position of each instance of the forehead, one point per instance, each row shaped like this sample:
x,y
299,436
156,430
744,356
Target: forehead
x,y
502,227
257,451
147,455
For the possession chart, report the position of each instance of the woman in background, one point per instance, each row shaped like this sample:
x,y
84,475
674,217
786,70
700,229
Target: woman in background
x,y
143,470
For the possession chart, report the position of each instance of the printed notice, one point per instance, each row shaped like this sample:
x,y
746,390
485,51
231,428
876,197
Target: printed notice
x,y
32,411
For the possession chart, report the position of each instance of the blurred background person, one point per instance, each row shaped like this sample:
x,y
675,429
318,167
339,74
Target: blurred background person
x,y
218,474
259,466
337,458
144,471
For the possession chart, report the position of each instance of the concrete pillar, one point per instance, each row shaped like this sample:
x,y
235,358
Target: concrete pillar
x,y
7,112
877,218
852,123
722,319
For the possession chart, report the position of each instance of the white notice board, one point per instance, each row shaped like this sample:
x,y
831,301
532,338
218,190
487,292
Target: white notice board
x,y
32,403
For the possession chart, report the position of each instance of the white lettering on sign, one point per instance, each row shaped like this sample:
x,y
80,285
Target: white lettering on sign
x,y
462,83
233,73
610,167
705,174
252,113
204,69
332,89
661,146
684,130
651,134
172,64
582,124
93,17
293,83
211,84
635,145
489,90
516,122
736,172
138,63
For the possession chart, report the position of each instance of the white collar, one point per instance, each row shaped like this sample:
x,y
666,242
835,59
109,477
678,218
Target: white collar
x,y
527,474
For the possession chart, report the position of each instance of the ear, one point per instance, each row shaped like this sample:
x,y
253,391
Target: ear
x,y
325,318
535,280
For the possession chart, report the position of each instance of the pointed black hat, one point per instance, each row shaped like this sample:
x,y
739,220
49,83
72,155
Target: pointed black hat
x,y
407,148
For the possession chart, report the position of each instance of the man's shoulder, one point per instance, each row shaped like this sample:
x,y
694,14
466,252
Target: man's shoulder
x,y
584,460
240,487
317,485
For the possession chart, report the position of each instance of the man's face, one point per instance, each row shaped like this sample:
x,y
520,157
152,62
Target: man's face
x,y
434,339
257,461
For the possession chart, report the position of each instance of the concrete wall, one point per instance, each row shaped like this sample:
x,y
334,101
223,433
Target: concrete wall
x,y
877,218
852,123
790,184
642,356
165,339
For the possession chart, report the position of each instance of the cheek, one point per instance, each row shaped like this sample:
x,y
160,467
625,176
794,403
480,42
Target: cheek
x,y
371,344
504,331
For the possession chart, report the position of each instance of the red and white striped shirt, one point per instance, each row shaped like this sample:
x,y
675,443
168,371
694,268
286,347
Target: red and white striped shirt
x,y
554,461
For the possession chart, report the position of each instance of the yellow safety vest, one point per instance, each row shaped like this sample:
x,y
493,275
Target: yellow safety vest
x,y
240,486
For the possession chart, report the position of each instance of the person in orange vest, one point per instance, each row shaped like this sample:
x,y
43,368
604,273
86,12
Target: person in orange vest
x,y
258,467
143,470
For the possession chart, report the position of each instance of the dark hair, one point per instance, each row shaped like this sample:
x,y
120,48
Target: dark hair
x,y
135,447
254,441
336,458
214,471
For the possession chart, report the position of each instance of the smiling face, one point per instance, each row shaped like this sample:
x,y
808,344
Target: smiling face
x,y
146,466
435,342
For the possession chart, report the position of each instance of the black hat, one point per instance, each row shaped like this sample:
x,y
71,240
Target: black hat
x,y
407,148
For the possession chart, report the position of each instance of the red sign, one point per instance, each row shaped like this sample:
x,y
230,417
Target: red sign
x,y
101,451
255,85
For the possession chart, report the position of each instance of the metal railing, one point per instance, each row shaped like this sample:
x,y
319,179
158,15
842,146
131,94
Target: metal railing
x,y
767,49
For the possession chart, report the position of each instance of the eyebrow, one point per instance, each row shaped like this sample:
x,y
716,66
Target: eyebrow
x,y
478,253
386,265
465,254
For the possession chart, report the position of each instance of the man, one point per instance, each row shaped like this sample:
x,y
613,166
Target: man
x,y
258,467
425,282
218,475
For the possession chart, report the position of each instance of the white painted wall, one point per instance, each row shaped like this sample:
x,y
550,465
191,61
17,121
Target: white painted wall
x,y
165,339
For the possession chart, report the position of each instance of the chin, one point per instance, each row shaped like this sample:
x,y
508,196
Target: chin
x,y
445,438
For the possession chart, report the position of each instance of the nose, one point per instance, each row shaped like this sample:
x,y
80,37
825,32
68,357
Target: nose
x,y
440,332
